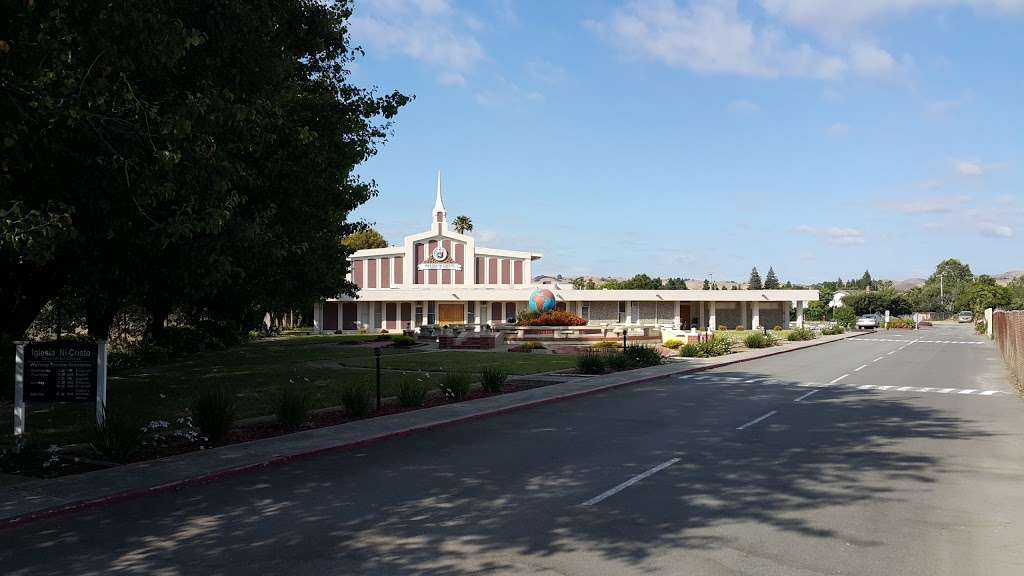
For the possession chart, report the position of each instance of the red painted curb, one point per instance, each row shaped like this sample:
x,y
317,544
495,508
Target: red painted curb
x,y
83,505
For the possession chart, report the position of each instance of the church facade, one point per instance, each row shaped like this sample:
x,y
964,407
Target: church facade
x,y
442,277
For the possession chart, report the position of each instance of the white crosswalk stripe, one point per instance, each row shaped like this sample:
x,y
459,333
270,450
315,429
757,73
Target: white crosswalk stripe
x,y
876,387
862,339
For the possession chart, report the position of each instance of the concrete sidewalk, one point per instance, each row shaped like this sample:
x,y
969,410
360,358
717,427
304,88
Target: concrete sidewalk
x,y
31,500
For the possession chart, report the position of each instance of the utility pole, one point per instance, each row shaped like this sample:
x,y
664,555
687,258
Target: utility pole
x,y
942,298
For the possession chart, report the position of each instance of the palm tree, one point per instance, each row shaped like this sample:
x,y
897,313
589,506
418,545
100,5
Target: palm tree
x,y
462,224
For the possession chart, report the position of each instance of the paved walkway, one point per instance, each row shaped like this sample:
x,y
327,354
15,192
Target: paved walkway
x,y
41,498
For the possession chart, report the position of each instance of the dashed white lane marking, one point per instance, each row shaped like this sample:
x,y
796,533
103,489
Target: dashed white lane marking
x,y
920,341
838,379
945,390
752,380
808,394
758,419
990,392
630,482
879,358
968,391
861,367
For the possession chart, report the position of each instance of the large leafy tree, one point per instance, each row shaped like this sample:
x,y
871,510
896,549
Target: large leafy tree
x,y
364,239
638,282
181,153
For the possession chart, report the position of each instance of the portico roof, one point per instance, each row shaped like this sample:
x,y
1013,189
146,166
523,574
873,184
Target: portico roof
x,y
481,293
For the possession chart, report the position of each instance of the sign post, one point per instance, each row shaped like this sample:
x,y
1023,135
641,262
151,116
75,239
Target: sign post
x,y
101,382
61,371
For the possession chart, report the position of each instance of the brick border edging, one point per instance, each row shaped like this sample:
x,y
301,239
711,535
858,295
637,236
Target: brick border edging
x,y
82,505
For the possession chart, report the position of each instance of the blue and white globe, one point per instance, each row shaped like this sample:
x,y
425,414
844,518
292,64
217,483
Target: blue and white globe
x,y
542,300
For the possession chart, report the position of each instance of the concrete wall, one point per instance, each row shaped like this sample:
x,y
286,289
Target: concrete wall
x,y
604,312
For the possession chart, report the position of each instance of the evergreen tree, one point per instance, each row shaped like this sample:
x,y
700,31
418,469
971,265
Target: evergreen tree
x,y
707,285
865,281
755,280
771,281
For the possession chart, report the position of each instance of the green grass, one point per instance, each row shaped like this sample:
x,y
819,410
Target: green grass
x,y
255,372
739,335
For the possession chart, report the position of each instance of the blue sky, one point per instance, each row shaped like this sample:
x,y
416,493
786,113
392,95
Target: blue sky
x,y
691,138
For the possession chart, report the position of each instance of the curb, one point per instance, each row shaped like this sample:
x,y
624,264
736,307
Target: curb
x,y
74,507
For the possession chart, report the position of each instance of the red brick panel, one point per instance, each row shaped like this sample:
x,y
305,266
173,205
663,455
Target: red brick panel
x,y
517,272
479,270
460,275
391,315
397,262
419,259
431,274
385,272
349,319
406,315
371,271
492,265
496,312
506,271
357,273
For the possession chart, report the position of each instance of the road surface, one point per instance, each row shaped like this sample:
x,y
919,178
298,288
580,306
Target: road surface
x,y
892,453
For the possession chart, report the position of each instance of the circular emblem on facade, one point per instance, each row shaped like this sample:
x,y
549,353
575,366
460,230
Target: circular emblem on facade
x,y
440,254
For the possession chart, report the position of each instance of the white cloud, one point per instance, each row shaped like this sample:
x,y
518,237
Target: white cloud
x,y
426,30
872,61
837,130
933,205
484,235
711,36
831,234
741,107
968,168
995,229
545,72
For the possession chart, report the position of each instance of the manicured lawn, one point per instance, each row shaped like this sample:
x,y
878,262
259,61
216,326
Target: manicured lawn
x,y
739,335
255,373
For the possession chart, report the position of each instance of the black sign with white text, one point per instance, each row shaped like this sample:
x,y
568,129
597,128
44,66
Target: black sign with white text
x,y
60,371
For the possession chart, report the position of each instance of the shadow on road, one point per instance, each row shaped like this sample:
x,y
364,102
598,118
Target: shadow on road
x,y
494,495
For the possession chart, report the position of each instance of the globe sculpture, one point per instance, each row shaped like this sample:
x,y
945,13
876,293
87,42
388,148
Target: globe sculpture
x,y
541,301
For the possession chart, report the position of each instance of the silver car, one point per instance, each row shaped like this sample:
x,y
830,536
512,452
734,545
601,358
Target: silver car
x,y
869,321
965,316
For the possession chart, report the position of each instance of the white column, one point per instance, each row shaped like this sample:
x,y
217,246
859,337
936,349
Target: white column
x,y
800,313
101,382
712,318
676,321
341,326
755,320
318,317
423,322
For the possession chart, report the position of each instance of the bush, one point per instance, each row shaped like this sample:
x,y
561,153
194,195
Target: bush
x,y
553,318
832,330
455,385
606,344
357,398
402,340
641,356
845,316
723,327
527,346
617,362
900,323
213,412
292,407
777,328
740,328
590,362
118,437
714,346
492,378
691,351
412,393
184,340
800,334
759,340
980,327
673,344
383,336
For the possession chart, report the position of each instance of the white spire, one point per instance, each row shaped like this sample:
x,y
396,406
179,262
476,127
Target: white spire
x,y
440,214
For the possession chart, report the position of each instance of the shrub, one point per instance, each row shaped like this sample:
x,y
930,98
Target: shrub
x,y
777,328
900,323
182,340
740,328
642,356
492,378
213,412
455,384
292,407
832,330
357,398
673,344
532,345
924,323
402,340
590,362
412,393
606,344
691,351
383,336
759,340
980,327
800,334
617,361
118,437
845,316
714,346
723,327
555,318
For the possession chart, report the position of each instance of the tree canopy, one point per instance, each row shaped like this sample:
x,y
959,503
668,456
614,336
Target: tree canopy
x,y
638,282
364,240
755,280
771,281
462,224
179,155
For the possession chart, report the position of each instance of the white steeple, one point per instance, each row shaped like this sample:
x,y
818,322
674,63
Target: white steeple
x,y
440,214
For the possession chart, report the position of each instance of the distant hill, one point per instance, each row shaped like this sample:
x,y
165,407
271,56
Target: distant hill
x,y
1007,277
904,285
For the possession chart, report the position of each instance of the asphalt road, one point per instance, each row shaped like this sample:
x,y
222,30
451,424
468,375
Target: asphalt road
x,y
910,462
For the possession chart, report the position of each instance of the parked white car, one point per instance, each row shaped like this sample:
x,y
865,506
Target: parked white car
x,y
869,321
965,316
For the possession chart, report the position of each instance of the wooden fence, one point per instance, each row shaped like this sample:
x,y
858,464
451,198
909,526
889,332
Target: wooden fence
x,y
1008,332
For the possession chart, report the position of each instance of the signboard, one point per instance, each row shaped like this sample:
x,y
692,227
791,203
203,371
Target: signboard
x,y
60,371
439,266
